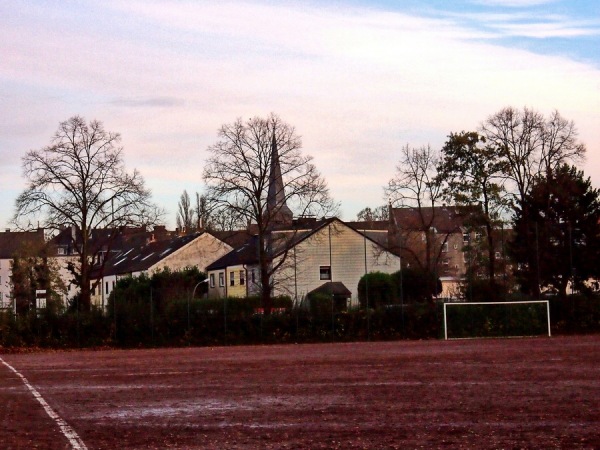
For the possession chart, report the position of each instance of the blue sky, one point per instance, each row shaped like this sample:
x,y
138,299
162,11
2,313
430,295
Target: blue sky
x,y
357,79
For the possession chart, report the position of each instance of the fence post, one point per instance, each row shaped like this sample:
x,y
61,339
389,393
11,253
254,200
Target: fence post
x,y
151,317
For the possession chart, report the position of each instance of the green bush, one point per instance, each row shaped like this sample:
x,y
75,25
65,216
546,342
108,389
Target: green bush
x,y
376,288
483,290
137,321
416,285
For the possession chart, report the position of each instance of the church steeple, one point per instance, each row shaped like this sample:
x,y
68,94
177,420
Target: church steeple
x,y
277,210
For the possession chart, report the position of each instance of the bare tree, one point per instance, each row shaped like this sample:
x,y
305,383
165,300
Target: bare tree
x,y
531,145
238,176
80,180
202,212
185,214
415,186
226,219
371,215
216,217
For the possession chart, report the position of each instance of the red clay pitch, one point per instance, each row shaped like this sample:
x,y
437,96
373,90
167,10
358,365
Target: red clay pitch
x,y
511,393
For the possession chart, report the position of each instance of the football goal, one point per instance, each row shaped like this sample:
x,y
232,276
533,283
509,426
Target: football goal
x,y
496,319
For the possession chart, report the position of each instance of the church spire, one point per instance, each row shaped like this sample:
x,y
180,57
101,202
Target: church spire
x,y
277,210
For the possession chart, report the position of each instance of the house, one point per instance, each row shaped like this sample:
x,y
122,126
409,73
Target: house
x,y
304,255
443,239
314,254
176,253
65,247
13,244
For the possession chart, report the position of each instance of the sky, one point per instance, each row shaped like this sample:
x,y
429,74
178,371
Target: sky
x,y
357,79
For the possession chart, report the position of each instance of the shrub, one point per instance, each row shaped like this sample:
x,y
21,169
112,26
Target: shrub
x,y
378,288
483,290
416,285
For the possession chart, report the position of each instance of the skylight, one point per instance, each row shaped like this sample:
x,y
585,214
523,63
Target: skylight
x,y
147,256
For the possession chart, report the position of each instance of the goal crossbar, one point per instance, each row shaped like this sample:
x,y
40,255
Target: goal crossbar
x,y
495,303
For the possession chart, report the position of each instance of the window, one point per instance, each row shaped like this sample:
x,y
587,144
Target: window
x,y
253,276
445,247
325,273
231,278
107,288
212,280
466,238
61,250
221,279
242,278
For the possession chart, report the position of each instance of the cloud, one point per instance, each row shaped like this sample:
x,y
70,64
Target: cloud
x,y
548,29
527,24
357,83
152,102
513,3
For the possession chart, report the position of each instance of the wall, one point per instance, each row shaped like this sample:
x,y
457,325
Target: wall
x,y
61,263
5,286
201,252
301,274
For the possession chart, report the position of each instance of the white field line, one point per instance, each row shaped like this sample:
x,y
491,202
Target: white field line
x,y
66,429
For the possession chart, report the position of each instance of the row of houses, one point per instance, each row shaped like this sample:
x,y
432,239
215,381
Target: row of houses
x,y
307,255
326,255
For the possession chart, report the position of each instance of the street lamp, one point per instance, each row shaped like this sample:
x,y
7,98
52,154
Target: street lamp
x,y
189,300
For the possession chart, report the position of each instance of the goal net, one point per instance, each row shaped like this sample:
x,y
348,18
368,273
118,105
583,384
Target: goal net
x,y
496,319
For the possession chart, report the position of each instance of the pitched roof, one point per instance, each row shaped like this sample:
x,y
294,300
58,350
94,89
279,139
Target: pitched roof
x,y
114,239
332,288
445,219
12,242
135,258
247,253
235,238
376,230
369,224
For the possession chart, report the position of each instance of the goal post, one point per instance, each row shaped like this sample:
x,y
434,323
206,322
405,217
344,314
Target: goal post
x,y
468,320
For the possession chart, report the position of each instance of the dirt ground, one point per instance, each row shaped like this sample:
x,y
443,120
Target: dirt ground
x,y
511,393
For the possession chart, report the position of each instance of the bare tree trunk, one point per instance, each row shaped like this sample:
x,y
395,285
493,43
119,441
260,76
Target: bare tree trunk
x,y
265,272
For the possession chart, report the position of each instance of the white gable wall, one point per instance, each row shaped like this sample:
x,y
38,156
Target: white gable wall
x,y
346,257
201,252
